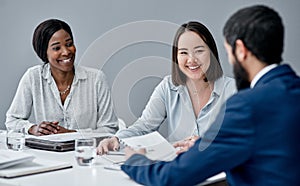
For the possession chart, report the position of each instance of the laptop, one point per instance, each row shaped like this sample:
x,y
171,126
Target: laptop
x,y
49,145
61,142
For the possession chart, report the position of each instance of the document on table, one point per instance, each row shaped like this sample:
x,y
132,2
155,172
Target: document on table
x,y
9,158
114,158
157,147
38,165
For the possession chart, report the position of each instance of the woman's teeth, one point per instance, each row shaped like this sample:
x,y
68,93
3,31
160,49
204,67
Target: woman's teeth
x,y
194,67
66,60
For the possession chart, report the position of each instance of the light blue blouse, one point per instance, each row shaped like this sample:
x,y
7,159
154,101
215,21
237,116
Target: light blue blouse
x,y
172,104
88,106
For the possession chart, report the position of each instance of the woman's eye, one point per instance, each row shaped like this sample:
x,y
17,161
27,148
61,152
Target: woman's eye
x,y
69,44
182,53
56,48
199,51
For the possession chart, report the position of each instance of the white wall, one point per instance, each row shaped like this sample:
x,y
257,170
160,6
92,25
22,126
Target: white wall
x,y
133,51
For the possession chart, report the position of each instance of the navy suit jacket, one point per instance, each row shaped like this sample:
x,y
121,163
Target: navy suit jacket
x,y
257,142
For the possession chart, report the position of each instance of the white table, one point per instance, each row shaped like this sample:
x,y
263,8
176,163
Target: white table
x,y
76,176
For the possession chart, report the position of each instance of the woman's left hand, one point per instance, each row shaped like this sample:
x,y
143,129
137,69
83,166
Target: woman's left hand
x,y
64,130
185,144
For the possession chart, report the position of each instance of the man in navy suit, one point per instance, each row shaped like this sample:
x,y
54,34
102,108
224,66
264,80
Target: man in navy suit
x,y
257,142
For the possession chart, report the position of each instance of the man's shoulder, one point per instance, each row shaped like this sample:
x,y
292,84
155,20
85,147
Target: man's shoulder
x,y
244,96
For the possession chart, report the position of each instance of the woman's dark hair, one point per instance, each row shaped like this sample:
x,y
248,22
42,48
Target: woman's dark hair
x,y
261,30
44,32
214,70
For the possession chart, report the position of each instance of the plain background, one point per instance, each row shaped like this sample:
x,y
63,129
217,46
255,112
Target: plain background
x,y
146,60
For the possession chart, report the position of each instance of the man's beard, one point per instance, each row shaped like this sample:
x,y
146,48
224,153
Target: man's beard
x,y
241,76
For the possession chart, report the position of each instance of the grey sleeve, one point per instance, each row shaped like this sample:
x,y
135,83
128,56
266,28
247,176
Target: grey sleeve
x,y
152,117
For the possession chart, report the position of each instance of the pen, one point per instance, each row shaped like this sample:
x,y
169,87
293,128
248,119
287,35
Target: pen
x,y
115,153
112,167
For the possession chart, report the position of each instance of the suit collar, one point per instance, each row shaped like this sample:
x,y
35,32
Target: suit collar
x,y
261,73
278,71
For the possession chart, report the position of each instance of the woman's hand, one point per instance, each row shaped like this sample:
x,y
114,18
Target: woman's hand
x,y
44,128
107,145
64,130
48,127
185,144
130,151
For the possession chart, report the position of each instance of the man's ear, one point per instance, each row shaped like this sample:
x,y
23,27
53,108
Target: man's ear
x,y
240,50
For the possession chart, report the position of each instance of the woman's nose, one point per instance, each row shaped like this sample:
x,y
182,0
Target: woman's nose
x,y
65,51
192,58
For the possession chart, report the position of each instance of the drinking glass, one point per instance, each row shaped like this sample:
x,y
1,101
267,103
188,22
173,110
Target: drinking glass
x,y
85,151
15,139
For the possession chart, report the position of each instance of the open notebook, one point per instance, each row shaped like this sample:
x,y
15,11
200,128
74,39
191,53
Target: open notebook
x,y
156,146
35,166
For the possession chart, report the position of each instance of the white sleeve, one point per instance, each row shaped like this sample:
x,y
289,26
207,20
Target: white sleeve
x,y
21,106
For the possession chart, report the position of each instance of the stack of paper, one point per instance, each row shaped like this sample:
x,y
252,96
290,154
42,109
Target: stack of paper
x,y
9,158
15,164
36,166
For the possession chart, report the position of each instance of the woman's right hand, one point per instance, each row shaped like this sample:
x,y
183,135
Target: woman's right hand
x,y
107,145
44,128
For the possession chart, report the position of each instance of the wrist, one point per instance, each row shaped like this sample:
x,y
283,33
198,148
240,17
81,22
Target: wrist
x,y
32,129
115,137
72,130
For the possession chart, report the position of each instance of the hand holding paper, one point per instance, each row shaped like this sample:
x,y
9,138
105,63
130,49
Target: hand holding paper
x,y
130,151
156,147
107,145
184,145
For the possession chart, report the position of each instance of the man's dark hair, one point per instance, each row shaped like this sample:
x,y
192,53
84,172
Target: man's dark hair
x,y
261,30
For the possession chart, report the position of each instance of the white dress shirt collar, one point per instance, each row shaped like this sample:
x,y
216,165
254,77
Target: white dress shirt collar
x,y
261,73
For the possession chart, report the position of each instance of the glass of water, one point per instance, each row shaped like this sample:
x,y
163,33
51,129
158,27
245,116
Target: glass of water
x,y
15,139
85,151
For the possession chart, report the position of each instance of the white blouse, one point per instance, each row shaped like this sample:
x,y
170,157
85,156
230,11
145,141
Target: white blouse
x,y
172,105
88,105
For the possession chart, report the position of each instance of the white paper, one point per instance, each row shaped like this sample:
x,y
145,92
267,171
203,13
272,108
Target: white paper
x,y
116,159
38,165
157,147
9,158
